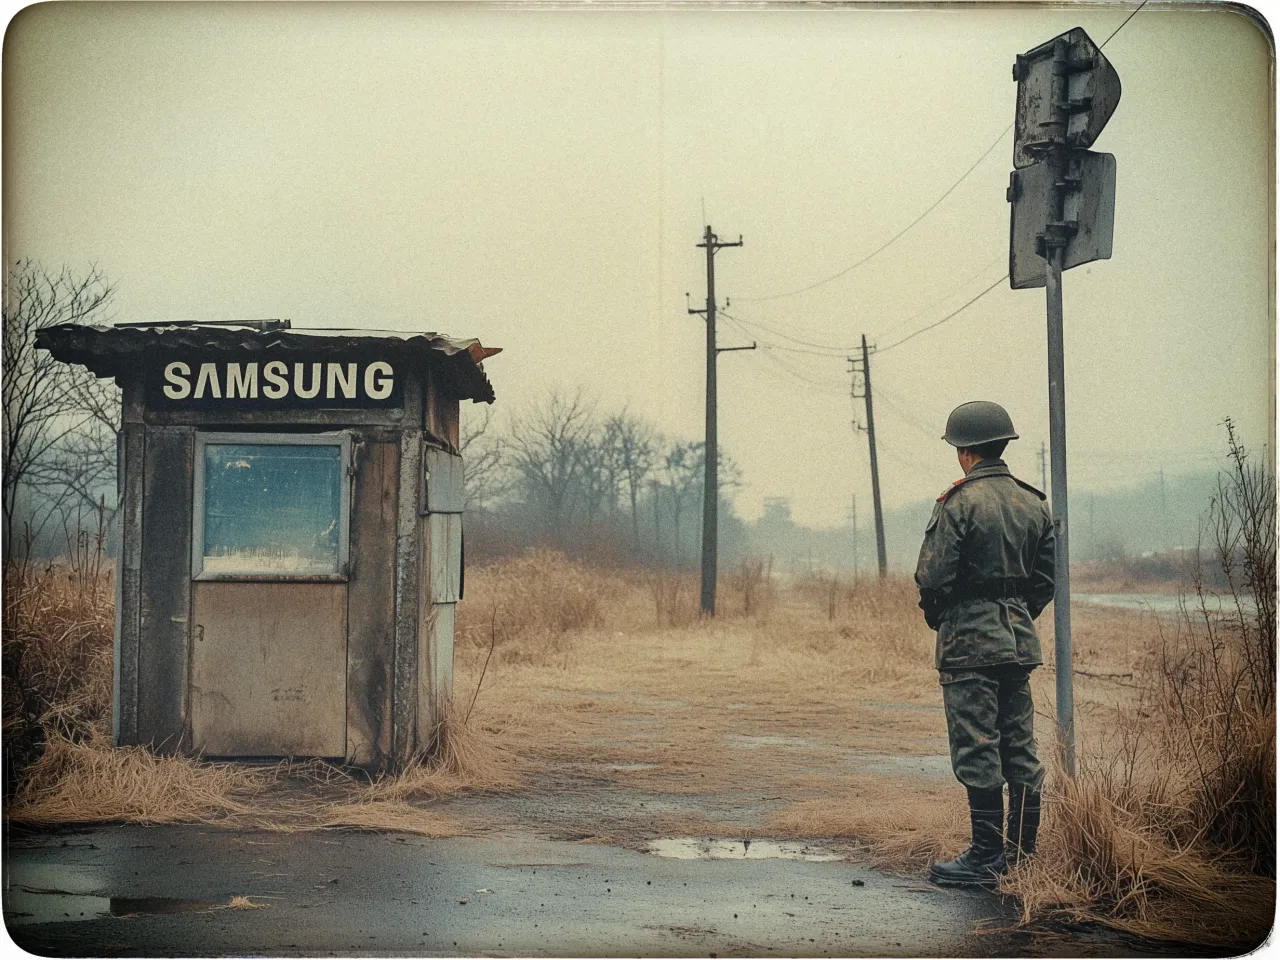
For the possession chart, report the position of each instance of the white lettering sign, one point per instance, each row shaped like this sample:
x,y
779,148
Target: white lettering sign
x,y
176,385
280,381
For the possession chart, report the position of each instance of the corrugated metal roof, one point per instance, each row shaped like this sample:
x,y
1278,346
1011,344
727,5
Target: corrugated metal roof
x,y
106,351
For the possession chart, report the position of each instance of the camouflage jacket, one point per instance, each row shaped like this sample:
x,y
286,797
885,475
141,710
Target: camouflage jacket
x,y
986,569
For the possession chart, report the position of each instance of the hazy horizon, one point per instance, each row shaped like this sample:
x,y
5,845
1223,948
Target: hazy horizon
x,y
539,179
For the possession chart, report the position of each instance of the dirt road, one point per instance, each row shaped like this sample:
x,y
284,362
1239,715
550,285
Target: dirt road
x,y
621,777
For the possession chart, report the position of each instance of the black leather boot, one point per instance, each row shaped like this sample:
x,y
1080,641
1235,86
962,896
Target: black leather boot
x,y
1024,822
983,862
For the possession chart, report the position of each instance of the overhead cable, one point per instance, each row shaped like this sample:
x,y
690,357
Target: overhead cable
x,y
953,313
785,336
1122,26
895,237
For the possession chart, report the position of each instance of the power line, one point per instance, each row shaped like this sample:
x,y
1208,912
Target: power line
x,y
831,350
953,313
1122,26
908,418
896,236
956,289
798,376
743,328
778,333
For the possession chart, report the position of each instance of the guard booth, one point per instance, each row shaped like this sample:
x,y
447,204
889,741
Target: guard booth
x,y
291,534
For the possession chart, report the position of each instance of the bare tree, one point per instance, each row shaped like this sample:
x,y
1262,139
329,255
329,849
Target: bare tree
x,y
485,473
633,443
682,470
82,465
1242,522
684,474
549,448
599,473
43,398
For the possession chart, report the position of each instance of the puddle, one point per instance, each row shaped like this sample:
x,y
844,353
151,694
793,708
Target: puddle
x,y
693,848
28,905
744,742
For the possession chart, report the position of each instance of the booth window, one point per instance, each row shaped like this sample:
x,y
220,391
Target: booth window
x,y
271,506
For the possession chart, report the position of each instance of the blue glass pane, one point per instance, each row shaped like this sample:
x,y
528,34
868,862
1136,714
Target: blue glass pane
x,y
272,508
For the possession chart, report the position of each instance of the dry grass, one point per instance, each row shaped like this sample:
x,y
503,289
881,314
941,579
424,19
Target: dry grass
x,y
786,716
1115,863
61,767
93,781
57,650
462,759
530,605
788,706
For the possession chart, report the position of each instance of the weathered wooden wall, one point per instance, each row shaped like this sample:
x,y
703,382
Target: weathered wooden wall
x,y
131,450
164,629
397,604
371,598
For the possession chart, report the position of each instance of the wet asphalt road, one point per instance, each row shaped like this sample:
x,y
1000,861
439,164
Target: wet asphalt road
x,y
162,890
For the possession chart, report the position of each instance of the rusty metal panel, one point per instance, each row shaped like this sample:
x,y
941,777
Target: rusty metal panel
x,y
444,556
443,476
371,603
108,350
268,669
1090,206
1091,92
165,606
435,668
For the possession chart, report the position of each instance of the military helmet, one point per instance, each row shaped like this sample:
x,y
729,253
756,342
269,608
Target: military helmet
x,y
977,422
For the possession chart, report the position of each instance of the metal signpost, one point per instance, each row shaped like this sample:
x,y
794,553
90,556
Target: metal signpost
x,y
1062,200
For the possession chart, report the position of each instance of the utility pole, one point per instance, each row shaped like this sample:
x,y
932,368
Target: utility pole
x,y
710,452
865,370
1044,482
853,515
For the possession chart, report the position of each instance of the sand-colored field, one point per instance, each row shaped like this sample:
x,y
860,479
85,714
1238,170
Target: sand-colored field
x,y
597,706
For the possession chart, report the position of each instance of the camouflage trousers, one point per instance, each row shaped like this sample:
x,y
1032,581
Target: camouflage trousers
x,y
989,726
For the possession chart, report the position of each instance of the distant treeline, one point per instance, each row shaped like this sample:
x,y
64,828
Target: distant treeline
x,y
604,486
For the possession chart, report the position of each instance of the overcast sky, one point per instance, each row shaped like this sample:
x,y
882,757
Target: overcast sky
x,y
539,180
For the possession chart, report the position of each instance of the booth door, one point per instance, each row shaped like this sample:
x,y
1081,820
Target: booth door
x,y
268,669
269,601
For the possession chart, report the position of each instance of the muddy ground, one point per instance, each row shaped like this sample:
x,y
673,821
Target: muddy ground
x,y
128,890
766,786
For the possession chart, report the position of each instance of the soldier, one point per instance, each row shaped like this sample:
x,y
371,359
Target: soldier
x,y
985,573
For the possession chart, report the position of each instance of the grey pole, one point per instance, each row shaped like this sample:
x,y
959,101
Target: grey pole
x,y
875,464
710,453
1056,235
710,483
1061,556
853,513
